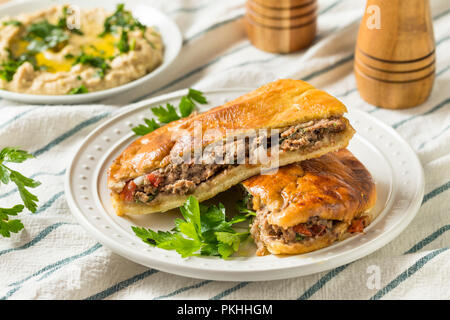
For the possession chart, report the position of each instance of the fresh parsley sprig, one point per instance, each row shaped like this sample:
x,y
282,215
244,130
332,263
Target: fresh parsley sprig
x,y
43,35
9,67
168,113
7,175
204,231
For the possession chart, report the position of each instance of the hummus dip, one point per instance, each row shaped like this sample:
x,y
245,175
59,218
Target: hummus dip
x,y
65,50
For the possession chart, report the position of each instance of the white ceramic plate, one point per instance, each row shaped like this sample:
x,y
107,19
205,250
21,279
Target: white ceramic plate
x,y
169,32
394,166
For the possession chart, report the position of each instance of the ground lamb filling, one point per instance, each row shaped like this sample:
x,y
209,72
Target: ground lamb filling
x,y
184,178
313,228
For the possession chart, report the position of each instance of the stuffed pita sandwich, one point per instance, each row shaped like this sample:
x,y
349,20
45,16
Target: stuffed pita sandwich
x,y
149,177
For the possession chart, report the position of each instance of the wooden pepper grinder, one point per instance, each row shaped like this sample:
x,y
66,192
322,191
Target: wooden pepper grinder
x,y
395,53
281,26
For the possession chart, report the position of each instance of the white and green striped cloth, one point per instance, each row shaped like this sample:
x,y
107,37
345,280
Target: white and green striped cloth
x,y
54,258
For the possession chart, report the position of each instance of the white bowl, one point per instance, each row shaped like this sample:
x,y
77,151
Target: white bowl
x,y
170,33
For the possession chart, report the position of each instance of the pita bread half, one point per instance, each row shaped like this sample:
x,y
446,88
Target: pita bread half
x,y
335,191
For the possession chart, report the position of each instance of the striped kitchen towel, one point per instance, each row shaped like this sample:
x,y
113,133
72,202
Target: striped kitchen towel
x,y
55,258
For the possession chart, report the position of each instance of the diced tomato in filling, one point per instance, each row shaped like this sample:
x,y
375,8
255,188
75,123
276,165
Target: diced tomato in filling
x,y
318,229
357,225
154,179
303,230
127,193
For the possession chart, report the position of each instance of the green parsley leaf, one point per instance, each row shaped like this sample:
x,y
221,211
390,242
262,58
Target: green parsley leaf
x,y
229,242
196,96
191,212
4,213
123,44
168,241
151,237
22,182
96,62
133,44
8,226
9,67
168,114
185,247
79,90
15,155
142,129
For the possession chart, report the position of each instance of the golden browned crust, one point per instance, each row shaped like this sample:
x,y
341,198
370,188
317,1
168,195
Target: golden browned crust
x,y
335,186
275,105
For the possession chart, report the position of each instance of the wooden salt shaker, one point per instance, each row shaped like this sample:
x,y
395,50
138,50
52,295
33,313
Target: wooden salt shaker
x,y
395,53
281,26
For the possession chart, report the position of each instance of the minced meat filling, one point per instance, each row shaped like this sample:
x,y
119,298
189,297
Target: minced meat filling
x,y
177,179
314,227
263,232
310,133
184,178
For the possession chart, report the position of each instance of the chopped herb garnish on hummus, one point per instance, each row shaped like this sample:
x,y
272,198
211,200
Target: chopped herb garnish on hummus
x,y
10,66
121,19
149,126
44,35
168,114
7,175
123,44
96,62
15,155
81,89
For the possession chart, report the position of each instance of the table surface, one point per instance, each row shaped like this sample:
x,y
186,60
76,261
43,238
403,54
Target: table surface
x,y
53,257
